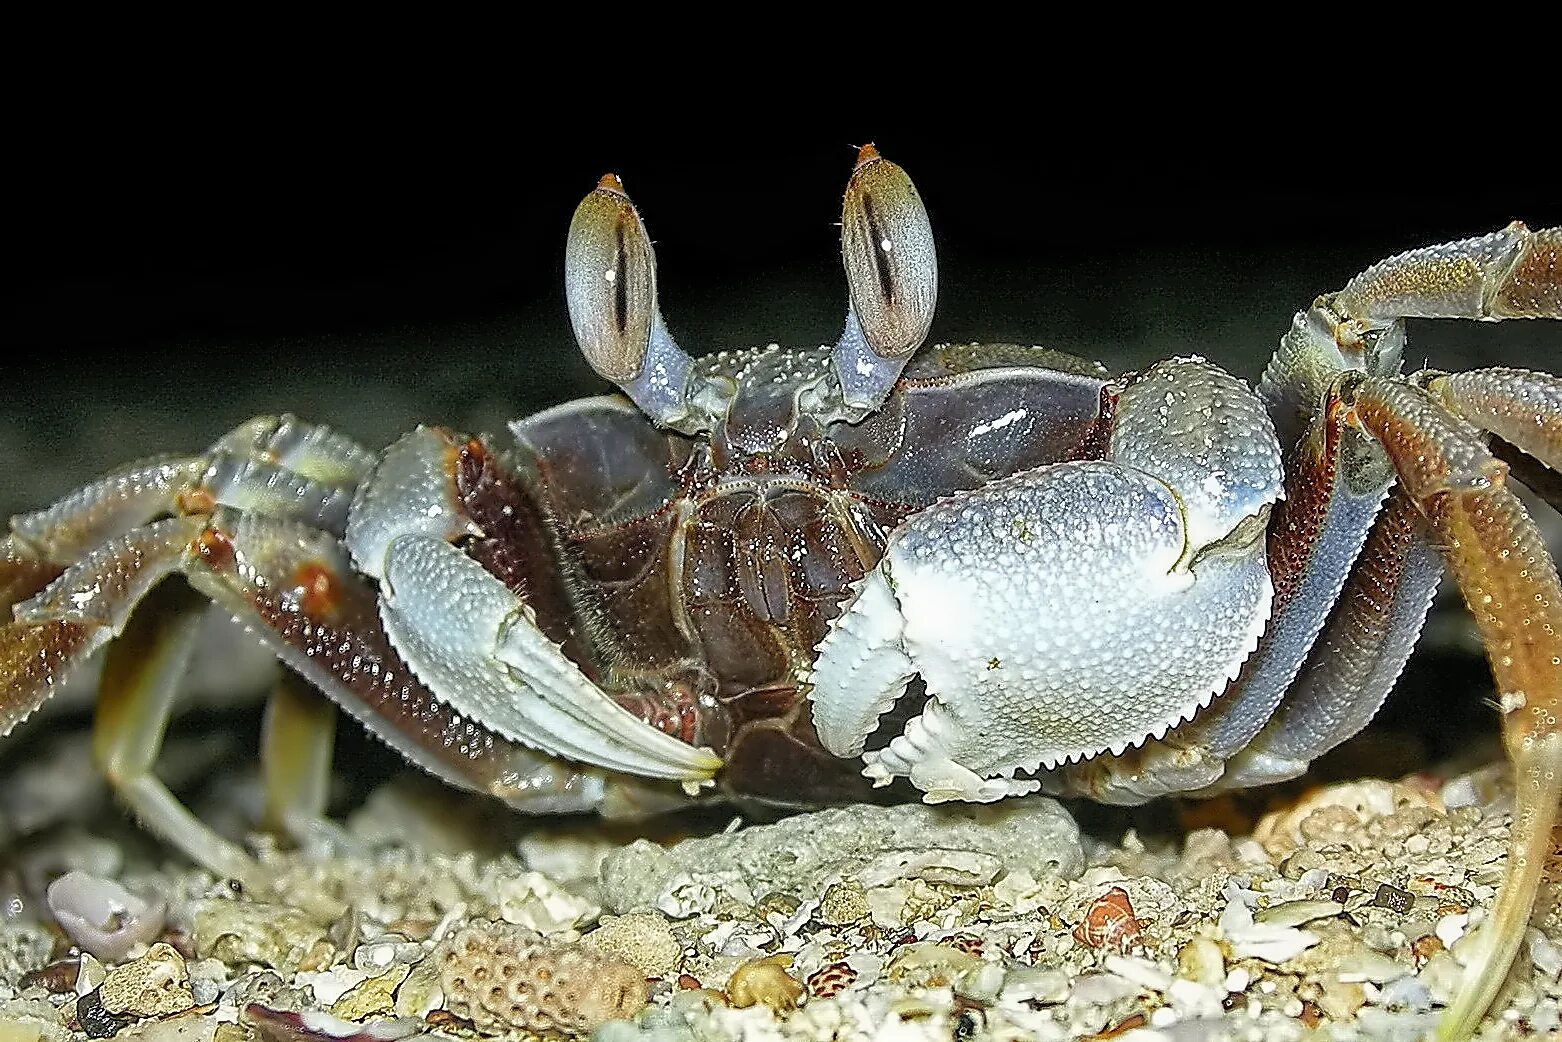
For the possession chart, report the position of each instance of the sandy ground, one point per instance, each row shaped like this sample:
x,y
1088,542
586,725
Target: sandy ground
x,y
1341,913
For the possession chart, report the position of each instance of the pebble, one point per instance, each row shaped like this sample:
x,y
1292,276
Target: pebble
x,y
252,933
764,982
1032,984
421,992
1340,999
188,1028
19,1031
1546,956
1407,992
536,902
1101,989
981,983
377,956
1367,965
800,853
1142,972
1451,927
374,997
843,903
1296,913
155,985
1442,976
643,939
102,916
1200,960
330,985
1273,944
1192,999
929,964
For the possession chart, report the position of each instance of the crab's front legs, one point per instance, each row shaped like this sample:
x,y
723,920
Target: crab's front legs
x,y
1070,610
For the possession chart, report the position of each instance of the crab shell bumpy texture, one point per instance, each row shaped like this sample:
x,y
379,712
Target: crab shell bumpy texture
x,y
1071,610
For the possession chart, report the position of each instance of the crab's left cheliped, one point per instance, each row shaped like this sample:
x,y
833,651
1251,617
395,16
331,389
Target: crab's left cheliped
x,y
1068,611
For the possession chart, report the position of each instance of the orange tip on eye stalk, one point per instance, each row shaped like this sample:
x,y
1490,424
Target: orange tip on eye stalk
x,y
865,155
610,183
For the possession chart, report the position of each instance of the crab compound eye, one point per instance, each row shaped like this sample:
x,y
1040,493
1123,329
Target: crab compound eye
x,y
610,281
887,246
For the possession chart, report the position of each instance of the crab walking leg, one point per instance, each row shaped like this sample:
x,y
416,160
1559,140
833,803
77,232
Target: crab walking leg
x,y
1358,656
135,702
97,597
77,612
34,660
22,573
1511,273
296,741
293,588
274,465
1066,611
1510,585
310,450
1522,407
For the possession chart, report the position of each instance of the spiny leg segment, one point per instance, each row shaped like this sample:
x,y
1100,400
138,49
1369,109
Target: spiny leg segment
x,y
1509,582
81,574
1487,540
263,541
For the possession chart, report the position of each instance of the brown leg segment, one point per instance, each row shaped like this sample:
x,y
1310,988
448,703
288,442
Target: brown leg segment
x,y
1358,656
34,660
1521,407
1510,584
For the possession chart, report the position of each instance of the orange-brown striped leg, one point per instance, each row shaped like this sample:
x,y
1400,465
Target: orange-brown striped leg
x,y
35,659
1494,550
1522,408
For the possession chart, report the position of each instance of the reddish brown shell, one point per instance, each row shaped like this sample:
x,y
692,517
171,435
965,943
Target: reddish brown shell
x,y
1109,923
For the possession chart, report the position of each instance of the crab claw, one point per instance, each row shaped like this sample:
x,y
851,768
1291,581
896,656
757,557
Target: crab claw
x,y
474,642
1068,611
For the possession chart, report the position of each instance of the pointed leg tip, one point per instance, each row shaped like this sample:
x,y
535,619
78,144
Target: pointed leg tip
x,y
1537,762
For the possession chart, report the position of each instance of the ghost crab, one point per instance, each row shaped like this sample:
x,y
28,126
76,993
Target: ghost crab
x,y
1118,587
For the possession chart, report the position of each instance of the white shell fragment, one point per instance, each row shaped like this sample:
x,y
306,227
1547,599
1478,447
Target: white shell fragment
x,y
1271,943
102,916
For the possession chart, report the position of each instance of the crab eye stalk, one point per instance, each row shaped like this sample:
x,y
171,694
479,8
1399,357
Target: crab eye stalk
x,y
610,282
892,275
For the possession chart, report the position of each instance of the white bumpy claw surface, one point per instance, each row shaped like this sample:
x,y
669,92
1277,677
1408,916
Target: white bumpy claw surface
x,y
1067,611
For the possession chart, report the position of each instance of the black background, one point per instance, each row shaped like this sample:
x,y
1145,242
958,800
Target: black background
x,y
180,271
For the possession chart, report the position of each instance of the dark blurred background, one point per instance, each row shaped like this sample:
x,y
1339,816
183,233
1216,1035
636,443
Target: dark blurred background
x,y
174,275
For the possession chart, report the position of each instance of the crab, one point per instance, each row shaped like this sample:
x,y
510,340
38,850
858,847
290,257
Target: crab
x,y
862,571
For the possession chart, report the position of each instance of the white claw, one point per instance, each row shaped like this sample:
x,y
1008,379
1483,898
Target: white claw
x,y
1069,611
862,667
410,492
474,644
